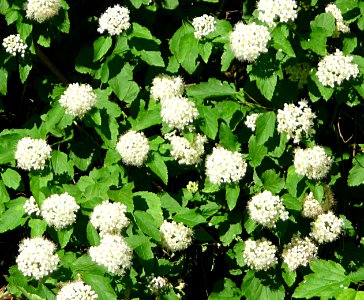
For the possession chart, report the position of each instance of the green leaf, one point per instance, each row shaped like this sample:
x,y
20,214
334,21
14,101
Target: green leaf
x,y
147,224
92,235
208,121
146,117
256,152
11,178
4,195
64,236
157,165
288,275
153,202
60,163
190,217
272,182
350,294
152,58
123,86
315,87
170,4
227,57
213,88
265,126
327,280
356,174
324,21
292,181
8,142
281,42
101,46
227,139
225,290
267,86
3,81
232,195
37,226
14,216
101,285
24,71
205,51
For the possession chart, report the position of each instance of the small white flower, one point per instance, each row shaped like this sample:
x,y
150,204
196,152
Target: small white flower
x,y
249,41
340,24
260,254
269,10
326,228
114,20
13,44
265,209
203,25
157,284
36,257
313,163
311,207
133,147
78,99
112,253
76,290
59,211
192,186
165,86
31,207
175,236
251,120
42,10
32,154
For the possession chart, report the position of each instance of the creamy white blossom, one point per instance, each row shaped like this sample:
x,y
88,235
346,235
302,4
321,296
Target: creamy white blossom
x,y
36,257
158,284
260,254
299,252
112,253
295,120
326,228
251,120
13,45
270,10
311,208
299,73
224,166
265,209
114,20
76,290
186,152
165,86
248,41
32,154
59,211
203,25
178,112
335,68
42,10
133,147
313,163
31,207
192,186
336,12
109,217
78,99
175,236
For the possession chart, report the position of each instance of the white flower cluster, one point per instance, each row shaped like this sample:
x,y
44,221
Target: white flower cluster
x,y
76,290
340,24
299,73
265,209
42,10
248,41
326,228
294,120
299,252
175,236
114,20
31,154
133,147
269,10
13,44
251,120
109,217
311,207
313,163
260,254
31,207
158,284
185,152
165,87
36,257
112,253
78,99
192,186
335,68
203,26
59,211
224,166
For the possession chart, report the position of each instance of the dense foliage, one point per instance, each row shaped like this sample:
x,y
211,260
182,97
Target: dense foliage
x,y
179,149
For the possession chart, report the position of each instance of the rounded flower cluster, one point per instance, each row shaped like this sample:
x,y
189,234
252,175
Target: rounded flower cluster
x,y
31,207
36,257
326,228
76,290
165,87
114,20
59,211
269,10
224,166
158,284
203,25
42,10
133,147
249,41
260,254
335,68
192,186
31,154
178,112
109,217
13,45
299,252
311,207
313,163
251,120
78,99
113,253
335,11
265,209
298,73
175,236
294,120
185,152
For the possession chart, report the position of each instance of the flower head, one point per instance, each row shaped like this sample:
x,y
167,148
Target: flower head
x,y
192,186
340,24
165,86
42,10
31,207
13,44
158,284
311,207
76,290
175,236
326,228
251,120
260,254
269,10
203,26
114,20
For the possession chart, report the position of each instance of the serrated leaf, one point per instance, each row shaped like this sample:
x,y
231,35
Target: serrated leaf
x,y
60,163
3,81
152,58
101,46
227,139
11,178
281,41
205,51
265,126
232,195
101,285
256,152
148,224
356,174
225,290
211,89
208,121
158,166
92,235
350,294
190,217
37,226
288,275
14,216
24,71
153,202
123,86
292,181
64,236
272,182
